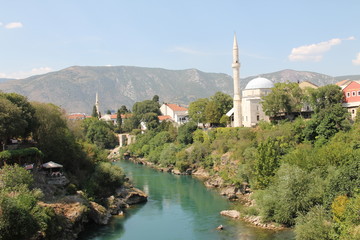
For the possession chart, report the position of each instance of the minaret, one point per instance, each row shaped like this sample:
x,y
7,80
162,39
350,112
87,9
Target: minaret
x,y
97,104
236,77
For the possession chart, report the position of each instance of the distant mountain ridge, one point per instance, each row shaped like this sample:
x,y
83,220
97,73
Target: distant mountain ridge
x,y
74,88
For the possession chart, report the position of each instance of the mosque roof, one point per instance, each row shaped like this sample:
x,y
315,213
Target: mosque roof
x,y
259,82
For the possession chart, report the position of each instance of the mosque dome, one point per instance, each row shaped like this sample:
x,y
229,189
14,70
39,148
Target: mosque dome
x,y
259,82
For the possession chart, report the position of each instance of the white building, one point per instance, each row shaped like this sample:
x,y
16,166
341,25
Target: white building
x,y
177,113
252,111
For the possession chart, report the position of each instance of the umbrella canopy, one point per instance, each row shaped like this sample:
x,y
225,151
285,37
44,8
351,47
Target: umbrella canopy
x,y
52,164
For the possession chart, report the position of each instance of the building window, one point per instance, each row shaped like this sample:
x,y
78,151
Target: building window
x,y
354,93
257,117
348,94
358,93
353,111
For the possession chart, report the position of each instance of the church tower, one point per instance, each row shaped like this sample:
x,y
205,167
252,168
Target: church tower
x,y
97,104
236,77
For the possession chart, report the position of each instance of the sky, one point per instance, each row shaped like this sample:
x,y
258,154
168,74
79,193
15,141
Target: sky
x,y
38,36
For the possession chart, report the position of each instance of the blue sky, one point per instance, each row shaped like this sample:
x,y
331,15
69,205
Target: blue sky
x,y
37,36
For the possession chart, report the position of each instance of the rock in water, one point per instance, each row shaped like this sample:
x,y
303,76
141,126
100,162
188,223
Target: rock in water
x,y
231,213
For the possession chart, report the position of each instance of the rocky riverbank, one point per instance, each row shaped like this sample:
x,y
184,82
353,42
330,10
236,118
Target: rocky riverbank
x,y
73,212
232,192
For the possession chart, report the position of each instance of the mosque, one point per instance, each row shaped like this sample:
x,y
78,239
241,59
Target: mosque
x,y
247,110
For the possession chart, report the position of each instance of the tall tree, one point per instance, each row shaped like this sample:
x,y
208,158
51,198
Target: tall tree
x,y
94,112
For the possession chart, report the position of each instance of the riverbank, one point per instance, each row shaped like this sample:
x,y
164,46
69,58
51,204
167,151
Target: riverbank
x,y
241,195
73,212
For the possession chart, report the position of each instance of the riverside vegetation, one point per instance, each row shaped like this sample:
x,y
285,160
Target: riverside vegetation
x,y
29,207
302,173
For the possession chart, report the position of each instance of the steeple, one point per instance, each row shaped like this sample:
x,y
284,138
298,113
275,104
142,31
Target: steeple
x,y
236,78
97,104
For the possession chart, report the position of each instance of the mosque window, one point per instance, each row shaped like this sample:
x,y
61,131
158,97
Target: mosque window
x,y
358,93
348,94
354,93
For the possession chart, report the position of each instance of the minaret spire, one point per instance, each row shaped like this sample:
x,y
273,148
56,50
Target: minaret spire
x,y
236,78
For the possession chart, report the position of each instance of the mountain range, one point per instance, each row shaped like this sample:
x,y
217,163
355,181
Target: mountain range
x,y
74,88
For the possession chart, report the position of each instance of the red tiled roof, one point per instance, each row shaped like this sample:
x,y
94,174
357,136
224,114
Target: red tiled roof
x,y
176,107
123,116
76,116
343,82
162,118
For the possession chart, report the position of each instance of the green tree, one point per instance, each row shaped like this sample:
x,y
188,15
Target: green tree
x,y
197,110
284,98
146,106
151,120
223,101
123,109
11,122
185,133
212,113
267,161
94,112
324,97
108,112
101,134
155,98
314,225
27,110
118,121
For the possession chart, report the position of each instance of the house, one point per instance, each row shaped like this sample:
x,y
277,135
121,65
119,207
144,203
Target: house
x,y
113,117
164,118
177,113
76,116
351,92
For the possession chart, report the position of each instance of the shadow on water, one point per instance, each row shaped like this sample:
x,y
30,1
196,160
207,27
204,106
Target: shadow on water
x,y
179,207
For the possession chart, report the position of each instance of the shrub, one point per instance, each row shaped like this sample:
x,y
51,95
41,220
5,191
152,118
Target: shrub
x,y
314,225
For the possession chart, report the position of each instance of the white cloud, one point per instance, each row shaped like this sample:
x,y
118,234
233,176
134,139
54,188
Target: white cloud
x,y
186,50
1,24
23,74
356,61
14,25
314,52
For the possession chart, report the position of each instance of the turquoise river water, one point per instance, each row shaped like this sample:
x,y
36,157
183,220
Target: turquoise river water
x,y
178,207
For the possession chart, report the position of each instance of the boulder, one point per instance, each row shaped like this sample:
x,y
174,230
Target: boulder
x,y
231,213
115,204
230,192
132,195
214,182
99,214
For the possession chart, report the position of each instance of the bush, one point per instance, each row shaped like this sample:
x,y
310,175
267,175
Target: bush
x,y
105,179
314,225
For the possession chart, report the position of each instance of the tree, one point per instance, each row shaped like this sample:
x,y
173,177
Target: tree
x,y
27,110
324,97
118,121
330,117
94,112
223,101
123,109
151,120
212,113
185,134
197,110
108,112
11,123
267,161
100,134
146,106
285,98
155,98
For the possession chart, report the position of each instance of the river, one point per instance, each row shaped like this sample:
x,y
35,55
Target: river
x,y
178,207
